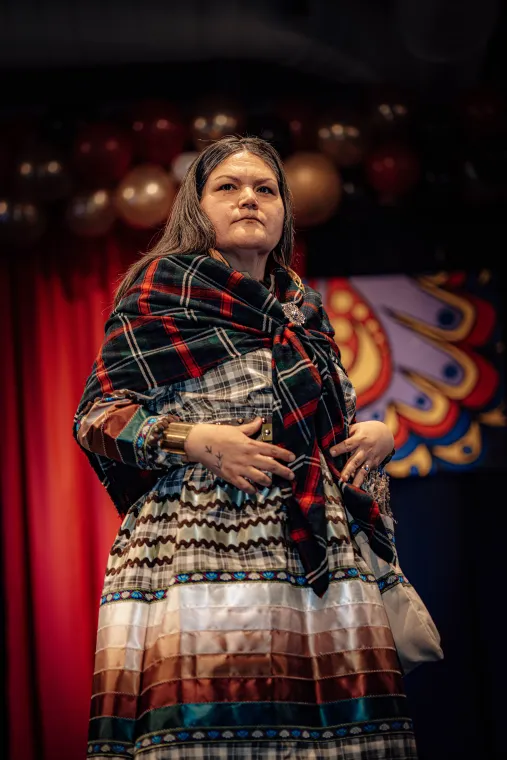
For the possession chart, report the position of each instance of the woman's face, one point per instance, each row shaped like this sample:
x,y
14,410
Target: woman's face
x,y
242,199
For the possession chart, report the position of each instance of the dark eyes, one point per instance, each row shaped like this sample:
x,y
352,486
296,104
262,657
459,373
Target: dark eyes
x,y
264,189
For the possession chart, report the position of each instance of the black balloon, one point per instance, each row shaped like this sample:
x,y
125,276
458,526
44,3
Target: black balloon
x,y
341,136
59,126
41,174
391,112
484,172
479,187
441,184
357,197
213,118
273,129
437,129
21,223
490,160
484,112
300,117
5,165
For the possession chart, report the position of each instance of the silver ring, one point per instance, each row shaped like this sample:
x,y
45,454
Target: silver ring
x,y
366,467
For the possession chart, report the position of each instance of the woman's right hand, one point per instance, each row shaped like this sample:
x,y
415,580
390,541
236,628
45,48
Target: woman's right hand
x,y
228,451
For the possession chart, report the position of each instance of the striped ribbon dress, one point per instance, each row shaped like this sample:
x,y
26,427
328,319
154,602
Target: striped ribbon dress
x,y
210,643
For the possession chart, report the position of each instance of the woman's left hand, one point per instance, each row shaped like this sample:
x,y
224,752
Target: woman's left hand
x,y
368,445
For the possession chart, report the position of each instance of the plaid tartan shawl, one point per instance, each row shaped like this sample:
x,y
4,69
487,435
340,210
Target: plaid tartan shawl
x,y
187,313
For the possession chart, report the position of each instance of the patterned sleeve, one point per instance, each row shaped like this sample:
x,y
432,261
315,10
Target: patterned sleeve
x,y
119,427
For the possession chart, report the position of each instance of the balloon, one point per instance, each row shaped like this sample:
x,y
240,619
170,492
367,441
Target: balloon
x,y
60,126
40,174
391,111
440,182
144,198
91,214
482,180
491,156
315,185
484,111
158,131
102,153
392,170
214,119
437,128
357,199
341,137
21,223
5,166
273,129
19,131
300,119
181,164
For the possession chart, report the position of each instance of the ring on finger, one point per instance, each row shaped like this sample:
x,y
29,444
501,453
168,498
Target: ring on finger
x,y
366,468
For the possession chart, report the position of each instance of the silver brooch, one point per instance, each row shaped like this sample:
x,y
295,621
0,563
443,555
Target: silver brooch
x,y
293,314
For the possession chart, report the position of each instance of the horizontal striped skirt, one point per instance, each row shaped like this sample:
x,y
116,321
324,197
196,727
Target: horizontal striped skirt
x,y
212,645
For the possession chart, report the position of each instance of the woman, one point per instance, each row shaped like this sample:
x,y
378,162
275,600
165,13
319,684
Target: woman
x,y
238,618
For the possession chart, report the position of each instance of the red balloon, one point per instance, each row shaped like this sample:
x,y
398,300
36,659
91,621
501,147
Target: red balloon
x,y
102,153
392,170
159,132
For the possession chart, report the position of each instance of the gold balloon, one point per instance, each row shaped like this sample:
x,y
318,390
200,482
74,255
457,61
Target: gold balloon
x,y
91,214
342,139
144,198
214,119
316,187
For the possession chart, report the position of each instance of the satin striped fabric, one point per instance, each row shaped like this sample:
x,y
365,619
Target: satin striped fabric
x,y
226,652
248,662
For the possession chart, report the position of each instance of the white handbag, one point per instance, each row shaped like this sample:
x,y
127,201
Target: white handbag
x,y
415,634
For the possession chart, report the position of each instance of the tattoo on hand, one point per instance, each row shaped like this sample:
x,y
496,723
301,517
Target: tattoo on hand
x,y
208,449
219,458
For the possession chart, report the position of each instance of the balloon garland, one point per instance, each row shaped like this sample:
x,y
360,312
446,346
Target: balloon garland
x,y
91,174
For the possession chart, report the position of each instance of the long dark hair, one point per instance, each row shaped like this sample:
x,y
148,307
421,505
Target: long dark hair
x,y
189,230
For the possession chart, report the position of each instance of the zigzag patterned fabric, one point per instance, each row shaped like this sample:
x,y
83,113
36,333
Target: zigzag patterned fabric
x,y
187,314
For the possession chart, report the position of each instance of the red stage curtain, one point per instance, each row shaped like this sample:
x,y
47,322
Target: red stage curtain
x,y
57,521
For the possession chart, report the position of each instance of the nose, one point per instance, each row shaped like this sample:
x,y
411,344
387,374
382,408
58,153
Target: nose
x,y
248,199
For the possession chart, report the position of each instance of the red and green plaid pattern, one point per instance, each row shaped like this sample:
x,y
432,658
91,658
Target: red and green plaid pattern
x,y
188,313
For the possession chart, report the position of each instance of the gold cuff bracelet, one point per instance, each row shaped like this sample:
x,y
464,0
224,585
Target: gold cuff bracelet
x,y
174,437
